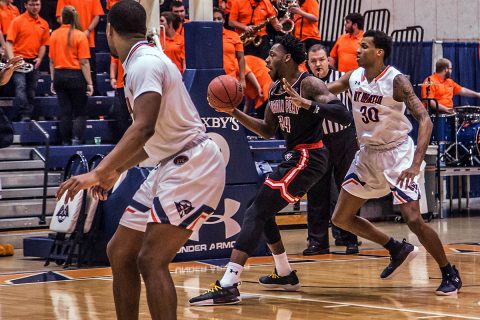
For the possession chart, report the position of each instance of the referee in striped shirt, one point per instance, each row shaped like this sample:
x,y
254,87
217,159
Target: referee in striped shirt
x,y
342,143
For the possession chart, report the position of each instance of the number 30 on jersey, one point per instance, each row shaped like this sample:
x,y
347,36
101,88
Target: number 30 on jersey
x,y
369,114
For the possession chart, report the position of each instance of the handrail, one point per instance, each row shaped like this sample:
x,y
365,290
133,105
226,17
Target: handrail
x,y
46,135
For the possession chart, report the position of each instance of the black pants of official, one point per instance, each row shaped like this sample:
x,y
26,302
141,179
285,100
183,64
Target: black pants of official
x,y
342,146
71,88
299,172
120,114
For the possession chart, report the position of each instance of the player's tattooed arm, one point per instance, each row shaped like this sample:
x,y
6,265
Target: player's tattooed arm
x,y
265,127
403,91
316,98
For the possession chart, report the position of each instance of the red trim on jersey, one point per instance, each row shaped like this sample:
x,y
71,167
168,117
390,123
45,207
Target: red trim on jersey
x,y
382,74
130,210
194,223
316,145
282,185
135,48
363,76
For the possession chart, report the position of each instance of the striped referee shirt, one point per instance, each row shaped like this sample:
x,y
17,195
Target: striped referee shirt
x,y
330,126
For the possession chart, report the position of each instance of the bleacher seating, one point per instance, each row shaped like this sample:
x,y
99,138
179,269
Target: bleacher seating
x,y
101,44
43,86
103,83
103,62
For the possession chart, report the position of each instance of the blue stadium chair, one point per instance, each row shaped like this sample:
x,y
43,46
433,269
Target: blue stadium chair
x,y
101,44
103,62
43,87
45,65
102,24
99,106
46,107
103,83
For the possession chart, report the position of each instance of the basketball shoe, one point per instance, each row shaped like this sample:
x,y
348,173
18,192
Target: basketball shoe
x,y
404,254
274,281
451,283
217,295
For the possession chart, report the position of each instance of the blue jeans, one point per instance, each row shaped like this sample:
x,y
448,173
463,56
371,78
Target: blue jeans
x,y
25,87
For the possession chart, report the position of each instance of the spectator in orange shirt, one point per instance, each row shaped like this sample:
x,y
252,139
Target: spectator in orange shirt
x,y
71,78
233,60
343,55
178,9
258,84
441,87
120,109
89,13
8,12
110,3
27,36
306,17
173,43
245,14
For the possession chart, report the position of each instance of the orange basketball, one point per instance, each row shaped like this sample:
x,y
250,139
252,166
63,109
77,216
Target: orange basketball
x,y
225,92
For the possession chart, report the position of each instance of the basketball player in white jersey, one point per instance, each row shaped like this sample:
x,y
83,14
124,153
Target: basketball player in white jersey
x,y
183,189
387,160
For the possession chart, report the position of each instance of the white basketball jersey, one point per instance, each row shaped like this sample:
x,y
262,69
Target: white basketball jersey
x,y
379,119
148,69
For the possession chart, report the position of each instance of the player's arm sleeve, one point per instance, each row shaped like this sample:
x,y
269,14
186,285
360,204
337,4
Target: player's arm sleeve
x,y
333,110
146,75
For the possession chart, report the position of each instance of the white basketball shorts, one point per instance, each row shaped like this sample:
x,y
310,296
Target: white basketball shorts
x,y
183,192
374,173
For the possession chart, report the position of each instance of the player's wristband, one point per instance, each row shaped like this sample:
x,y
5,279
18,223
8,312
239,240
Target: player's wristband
x,y
317,107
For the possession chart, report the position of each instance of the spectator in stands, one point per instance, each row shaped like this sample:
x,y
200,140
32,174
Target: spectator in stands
x,y
178,9
441,87
258,83
89,13
245,15
173,43
342,143
343,55
71,78
306,17
8,12
110,3
233,60
27,36
120,113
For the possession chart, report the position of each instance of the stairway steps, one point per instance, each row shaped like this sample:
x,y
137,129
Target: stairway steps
x,y
25,208
28,179
16,153
19,193
21,165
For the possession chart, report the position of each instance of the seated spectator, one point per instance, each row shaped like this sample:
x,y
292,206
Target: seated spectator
x,y
441,87
233,60
71,79
173,43
27,36
343,55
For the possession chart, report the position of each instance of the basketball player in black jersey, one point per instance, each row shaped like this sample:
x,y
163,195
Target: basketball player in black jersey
x,y
303,166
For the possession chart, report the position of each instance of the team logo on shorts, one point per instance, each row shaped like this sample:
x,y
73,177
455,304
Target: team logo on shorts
x,y
184,207
180,160
288,156
62,213
414,187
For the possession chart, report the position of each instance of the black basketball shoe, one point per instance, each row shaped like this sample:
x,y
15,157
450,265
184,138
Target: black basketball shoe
x,y
451,284
217,295
403,256
274,281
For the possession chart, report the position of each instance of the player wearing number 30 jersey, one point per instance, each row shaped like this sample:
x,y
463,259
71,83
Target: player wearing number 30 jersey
x,y
387,160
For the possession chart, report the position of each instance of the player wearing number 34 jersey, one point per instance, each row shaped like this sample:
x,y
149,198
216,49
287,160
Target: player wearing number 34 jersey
x,y
387,160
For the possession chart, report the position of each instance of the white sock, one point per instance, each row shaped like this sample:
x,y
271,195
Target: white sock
x,y
282,265
232,274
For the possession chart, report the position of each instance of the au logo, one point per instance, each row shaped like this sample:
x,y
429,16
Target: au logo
x,y
232,227
62,213
184,207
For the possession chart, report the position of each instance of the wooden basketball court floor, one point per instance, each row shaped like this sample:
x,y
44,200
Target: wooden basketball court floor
x,y
334,286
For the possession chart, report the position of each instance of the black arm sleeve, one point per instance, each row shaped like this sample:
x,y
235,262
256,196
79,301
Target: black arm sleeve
x,y
334,111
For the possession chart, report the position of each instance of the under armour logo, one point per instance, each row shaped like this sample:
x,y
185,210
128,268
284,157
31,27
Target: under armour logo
x,y
184,207
62,213
233,271
231,226
357,83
